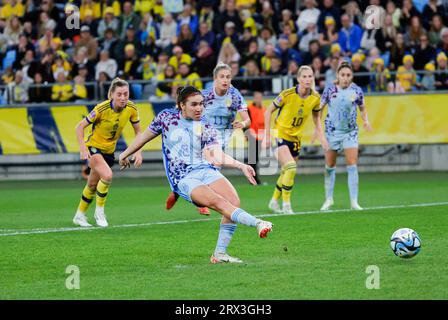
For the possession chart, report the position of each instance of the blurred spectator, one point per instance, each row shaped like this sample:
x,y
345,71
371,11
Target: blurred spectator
x,y
353,13
12,8
12,31
230,14
311,34
164,90
431,9
21,49
89,7
269,54
443,45
319,75
127,18
423,53
255,133
207,16
394,12
179,57
406,74
397,52
309,15
79,89
267,17
129,66
249,22
374,54
381,76
62,91
442,72
168,29
18,89
236,72
81,60
185,38
187,78
109,41
204,34
290,36
205,59
228,53
38,91
349,36
45,22
252,54
245,40
389,33
330,74
187,17
361,80
61,65
252,84
285,53
266,37
86,40
428,81
91,23
415,31
407,12
162,62
147,67
313,51
328,35
130,38
103,86
229,35
107,65
291,79
328,12
107,22
435,30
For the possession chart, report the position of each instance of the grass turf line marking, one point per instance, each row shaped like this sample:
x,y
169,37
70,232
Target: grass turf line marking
x,y
18,232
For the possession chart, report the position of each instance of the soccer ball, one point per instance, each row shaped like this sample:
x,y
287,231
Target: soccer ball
x,y
405,243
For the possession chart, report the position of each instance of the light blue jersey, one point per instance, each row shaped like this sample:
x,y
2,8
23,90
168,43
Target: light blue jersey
x,y
341,129
182,144
342,107
221,111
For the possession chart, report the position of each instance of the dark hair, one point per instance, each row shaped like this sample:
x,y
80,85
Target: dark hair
x,y
183,92
343,65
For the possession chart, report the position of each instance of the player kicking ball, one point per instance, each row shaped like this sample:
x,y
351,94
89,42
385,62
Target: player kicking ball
x,y
185,136
343,98
222,103
108,120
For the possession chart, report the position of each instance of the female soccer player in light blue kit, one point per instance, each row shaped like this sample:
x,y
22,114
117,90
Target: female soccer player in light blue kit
x,y
341,131
185,136
222,102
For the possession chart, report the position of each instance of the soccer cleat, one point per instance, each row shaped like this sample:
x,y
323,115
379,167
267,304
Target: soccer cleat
x,y
287,208
263,228
274,206
327,204
80,219
221,257
171,200
100,217
356,206
204,211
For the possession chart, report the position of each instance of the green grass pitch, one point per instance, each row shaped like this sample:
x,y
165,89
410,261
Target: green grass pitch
x,y
308,256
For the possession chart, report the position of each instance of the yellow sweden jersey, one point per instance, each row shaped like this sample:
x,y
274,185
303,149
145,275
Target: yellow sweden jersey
x,y
107,125
293,113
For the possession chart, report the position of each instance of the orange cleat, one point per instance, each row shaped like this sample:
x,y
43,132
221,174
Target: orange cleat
x,y
171,200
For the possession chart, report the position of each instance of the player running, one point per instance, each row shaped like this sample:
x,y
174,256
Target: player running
x,y
222,103
108,119
341,131
185,136
294,106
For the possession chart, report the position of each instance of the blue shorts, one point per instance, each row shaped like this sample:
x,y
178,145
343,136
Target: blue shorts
x,y
342,140
294,147
197,178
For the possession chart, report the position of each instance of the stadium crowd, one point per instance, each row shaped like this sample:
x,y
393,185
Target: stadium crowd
x,y
142,40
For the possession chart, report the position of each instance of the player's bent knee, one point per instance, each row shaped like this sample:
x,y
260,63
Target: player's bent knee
x,y
107,176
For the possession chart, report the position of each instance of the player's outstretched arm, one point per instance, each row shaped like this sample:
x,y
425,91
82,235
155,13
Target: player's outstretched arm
x,y
83,151
136,145
216,155
318,131
365,118
138,158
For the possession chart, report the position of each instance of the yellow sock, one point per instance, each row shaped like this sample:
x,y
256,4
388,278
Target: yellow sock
x,y
289,170
86,199
101,192
278,187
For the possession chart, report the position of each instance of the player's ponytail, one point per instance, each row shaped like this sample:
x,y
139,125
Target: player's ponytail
x,y
117,82
183,92
299,73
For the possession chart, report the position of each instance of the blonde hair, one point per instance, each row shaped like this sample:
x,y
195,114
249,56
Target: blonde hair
x,y
305,67
221,66
117,82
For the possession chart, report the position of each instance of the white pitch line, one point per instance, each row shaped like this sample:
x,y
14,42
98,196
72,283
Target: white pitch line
x,y
17,232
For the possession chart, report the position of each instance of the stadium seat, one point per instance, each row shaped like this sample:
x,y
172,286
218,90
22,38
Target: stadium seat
x,y
137,90
9,59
